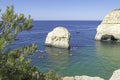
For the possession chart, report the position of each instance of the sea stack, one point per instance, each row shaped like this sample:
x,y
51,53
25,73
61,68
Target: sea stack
x,y
59,37
109,29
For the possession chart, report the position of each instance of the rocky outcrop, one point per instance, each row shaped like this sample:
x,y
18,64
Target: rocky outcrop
x,y
82,78
87,78
68,78
59,37
116,75
110,26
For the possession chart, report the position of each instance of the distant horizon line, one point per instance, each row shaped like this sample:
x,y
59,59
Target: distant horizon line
x,y
66,20
63,20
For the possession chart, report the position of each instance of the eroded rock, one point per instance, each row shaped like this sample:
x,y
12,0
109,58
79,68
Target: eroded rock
x,y
59,37
84,77
108,38
116,75
68,78
110,26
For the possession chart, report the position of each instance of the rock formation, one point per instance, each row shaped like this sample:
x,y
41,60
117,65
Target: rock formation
x,y
116,75
59,37
68,78
109,29
82,78
87,78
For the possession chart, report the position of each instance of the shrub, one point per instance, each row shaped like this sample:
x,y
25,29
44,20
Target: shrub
x,y
12,61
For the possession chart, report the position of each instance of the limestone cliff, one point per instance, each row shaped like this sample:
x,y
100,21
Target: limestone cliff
x,y
84,77
110,26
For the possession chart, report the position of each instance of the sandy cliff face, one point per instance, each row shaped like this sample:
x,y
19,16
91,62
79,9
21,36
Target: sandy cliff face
x,y
59,37
110,27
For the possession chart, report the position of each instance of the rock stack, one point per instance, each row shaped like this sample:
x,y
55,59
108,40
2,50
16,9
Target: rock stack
x,y
59,37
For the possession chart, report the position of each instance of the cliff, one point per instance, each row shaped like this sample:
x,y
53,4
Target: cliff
x,y
109,29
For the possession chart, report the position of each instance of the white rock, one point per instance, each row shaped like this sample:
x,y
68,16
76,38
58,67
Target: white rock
x,y
112,17
84,77
59,37
116,75
110,26
68,78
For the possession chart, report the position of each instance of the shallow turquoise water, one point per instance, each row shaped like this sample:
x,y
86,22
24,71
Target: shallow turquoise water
x,y
85,57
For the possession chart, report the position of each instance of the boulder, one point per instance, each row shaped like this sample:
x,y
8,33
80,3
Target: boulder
x,y
59,37
116,75
110,26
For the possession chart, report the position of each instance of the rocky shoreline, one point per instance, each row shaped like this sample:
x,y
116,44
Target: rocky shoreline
x,y
115,76
84,77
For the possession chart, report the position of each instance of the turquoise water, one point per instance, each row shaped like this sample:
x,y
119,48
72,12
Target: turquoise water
x,y
85,57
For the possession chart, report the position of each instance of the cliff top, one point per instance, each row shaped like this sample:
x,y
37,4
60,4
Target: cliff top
x,y
112,18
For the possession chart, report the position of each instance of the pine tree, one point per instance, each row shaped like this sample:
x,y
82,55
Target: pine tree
x,y
13,65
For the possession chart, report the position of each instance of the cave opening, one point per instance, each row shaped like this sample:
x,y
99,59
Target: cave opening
x,y
108,38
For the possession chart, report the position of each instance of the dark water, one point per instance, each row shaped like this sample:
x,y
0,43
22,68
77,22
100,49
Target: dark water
x,y
85,57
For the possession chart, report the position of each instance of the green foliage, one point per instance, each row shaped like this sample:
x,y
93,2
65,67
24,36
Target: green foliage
x,y
2,41
12,24
13,65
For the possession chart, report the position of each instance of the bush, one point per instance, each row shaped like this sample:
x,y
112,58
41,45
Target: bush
x,y
12,62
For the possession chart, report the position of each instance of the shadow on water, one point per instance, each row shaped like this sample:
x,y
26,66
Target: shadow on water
x,y
109,55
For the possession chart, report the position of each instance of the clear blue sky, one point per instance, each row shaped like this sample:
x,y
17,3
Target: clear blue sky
x,y
63,9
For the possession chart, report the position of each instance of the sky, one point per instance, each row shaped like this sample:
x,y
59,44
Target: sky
x,y
62,9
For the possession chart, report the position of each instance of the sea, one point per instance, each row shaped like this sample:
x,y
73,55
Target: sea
x,y
85,56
